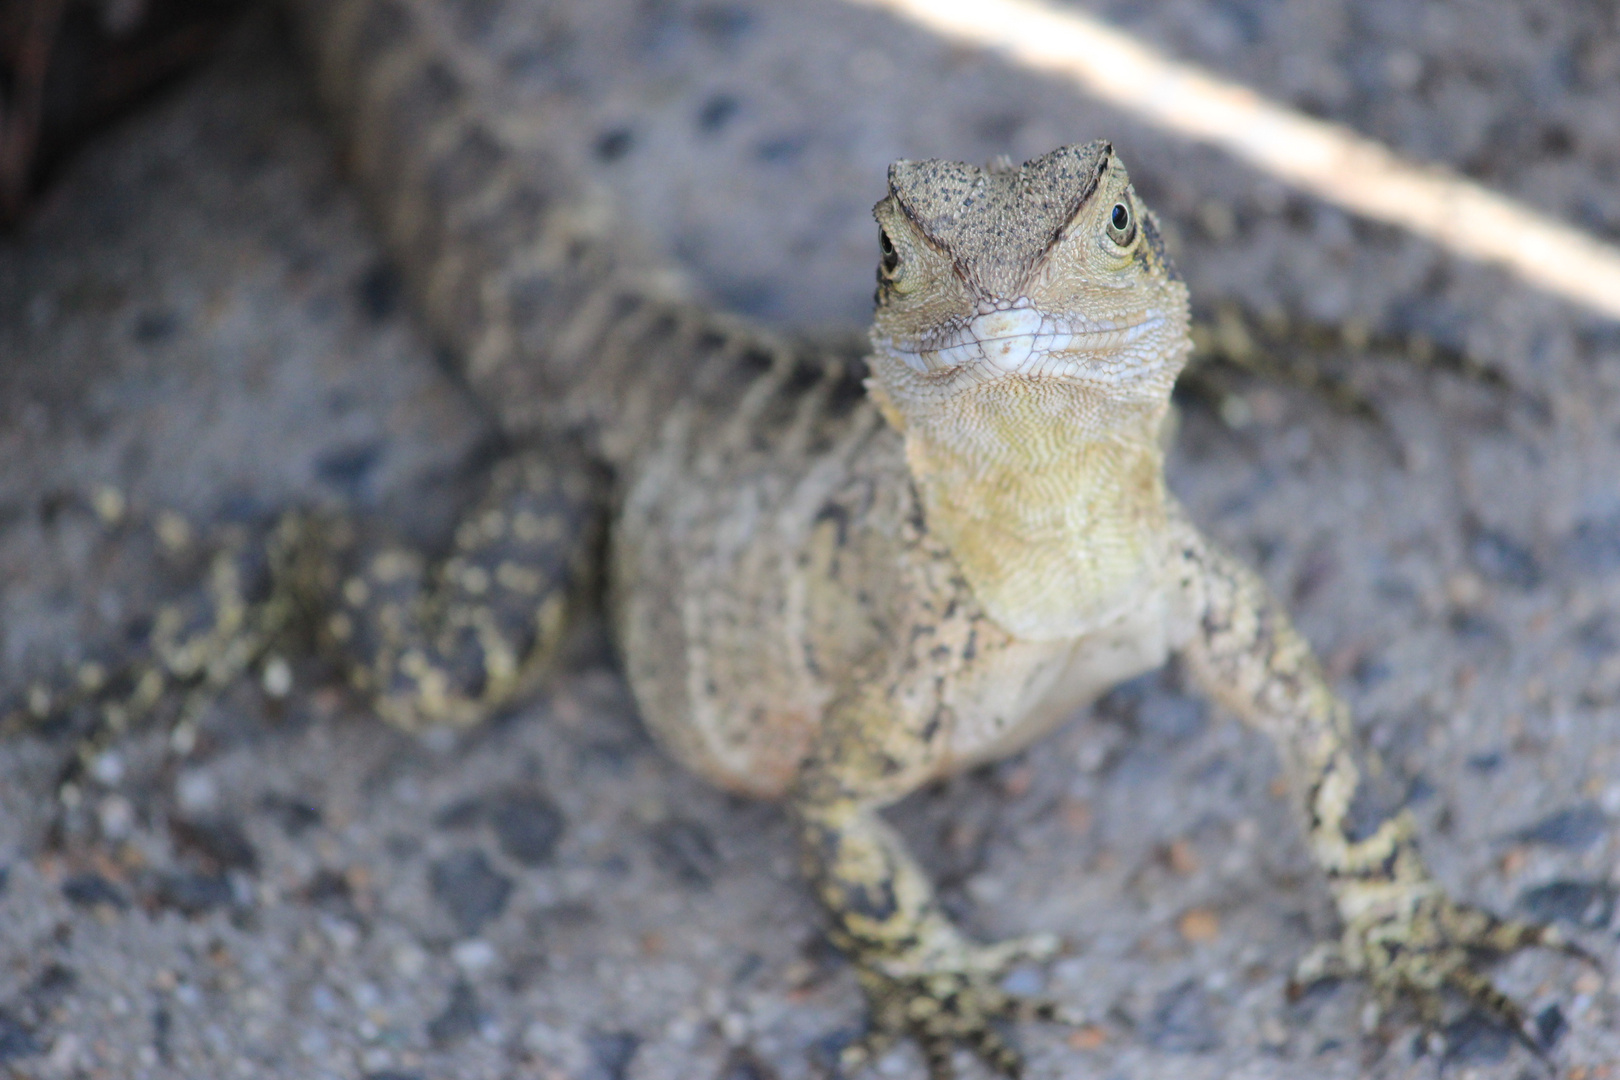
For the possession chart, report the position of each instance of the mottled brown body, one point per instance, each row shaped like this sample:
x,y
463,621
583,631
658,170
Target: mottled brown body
x,y
760,590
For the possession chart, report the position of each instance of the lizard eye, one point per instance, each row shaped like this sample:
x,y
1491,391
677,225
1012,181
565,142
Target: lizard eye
x,y
891,257
1122,225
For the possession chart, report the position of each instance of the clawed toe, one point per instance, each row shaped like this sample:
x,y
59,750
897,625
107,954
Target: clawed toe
x,y
1418,953
1001,957
958,1006
1324,963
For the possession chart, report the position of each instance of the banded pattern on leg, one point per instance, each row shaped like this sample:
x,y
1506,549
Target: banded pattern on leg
x,y
923,980
231,620
1401,931
447,641
427,641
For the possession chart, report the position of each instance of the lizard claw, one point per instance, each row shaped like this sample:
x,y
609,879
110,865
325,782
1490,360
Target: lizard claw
x,y
1418,950
955,1001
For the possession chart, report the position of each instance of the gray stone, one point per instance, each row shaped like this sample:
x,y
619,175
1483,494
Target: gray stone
x,y
471,891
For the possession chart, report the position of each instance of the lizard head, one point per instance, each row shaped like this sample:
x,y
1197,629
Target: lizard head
x,y
1004,284
1028,331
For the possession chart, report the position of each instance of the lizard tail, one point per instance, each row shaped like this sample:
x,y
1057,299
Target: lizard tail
x,y
550,311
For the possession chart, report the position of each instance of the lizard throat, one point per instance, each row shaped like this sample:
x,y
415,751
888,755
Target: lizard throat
x,y
1053,522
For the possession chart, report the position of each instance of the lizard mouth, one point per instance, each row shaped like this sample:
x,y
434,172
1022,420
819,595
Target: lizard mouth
x,y
1024,341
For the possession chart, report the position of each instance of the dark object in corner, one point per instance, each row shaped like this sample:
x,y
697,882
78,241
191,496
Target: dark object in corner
x,y
69,66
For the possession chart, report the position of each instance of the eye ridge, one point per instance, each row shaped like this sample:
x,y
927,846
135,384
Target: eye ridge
x,y
1122,225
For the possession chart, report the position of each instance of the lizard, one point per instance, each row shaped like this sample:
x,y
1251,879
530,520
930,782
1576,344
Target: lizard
x,y
833,578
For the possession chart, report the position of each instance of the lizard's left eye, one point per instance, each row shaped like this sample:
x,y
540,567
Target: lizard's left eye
x,y
891,257
1122,225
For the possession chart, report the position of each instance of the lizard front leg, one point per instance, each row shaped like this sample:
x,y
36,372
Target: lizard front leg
x,y
923,979
1401,931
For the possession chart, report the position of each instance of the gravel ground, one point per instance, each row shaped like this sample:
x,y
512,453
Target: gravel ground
x,y
199,316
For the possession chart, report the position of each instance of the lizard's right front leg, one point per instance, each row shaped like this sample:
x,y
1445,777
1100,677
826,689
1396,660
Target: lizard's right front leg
x,y
922,978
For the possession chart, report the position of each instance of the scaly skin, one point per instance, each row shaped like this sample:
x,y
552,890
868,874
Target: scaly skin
x,y
839,625
824,593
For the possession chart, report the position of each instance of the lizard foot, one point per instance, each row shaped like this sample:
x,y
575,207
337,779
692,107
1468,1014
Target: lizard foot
x,y
1419,949
953,1001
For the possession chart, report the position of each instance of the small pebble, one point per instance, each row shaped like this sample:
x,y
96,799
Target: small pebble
x,y
108,767
410,960
1587,904
109,503
1183,1021
65,1053
462,1016
1235,412
343,934
195,791
1588,982
1017,781
1550,1025
472,892
540,1037
91,676
194,894
322,1000
1574,829
438,740
174,531
613,1051
474,955
527,827
94,891
686,850
1611,799
1476,1040
1076,815
1199,925
734,1028
278,678
313,1043
217,840
116,817
1513,861
1182,857
1026,980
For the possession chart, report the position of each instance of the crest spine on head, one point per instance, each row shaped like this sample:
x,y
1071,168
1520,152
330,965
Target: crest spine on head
x,y
998,223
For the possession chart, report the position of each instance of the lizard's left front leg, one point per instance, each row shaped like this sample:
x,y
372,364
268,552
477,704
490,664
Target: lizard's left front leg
x,y
1401,931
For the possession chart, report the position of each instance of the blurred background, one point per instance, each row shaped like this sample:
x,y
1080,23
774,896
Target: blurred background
x,y
195,312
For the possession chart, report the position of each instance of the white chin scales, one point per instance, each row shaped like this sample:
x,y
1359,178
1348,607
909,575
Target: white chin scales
x,y
1022,340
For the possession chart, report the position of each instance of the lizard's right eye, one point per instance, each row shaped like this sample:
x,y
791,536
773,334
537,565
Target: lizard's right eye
x,y
891,257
